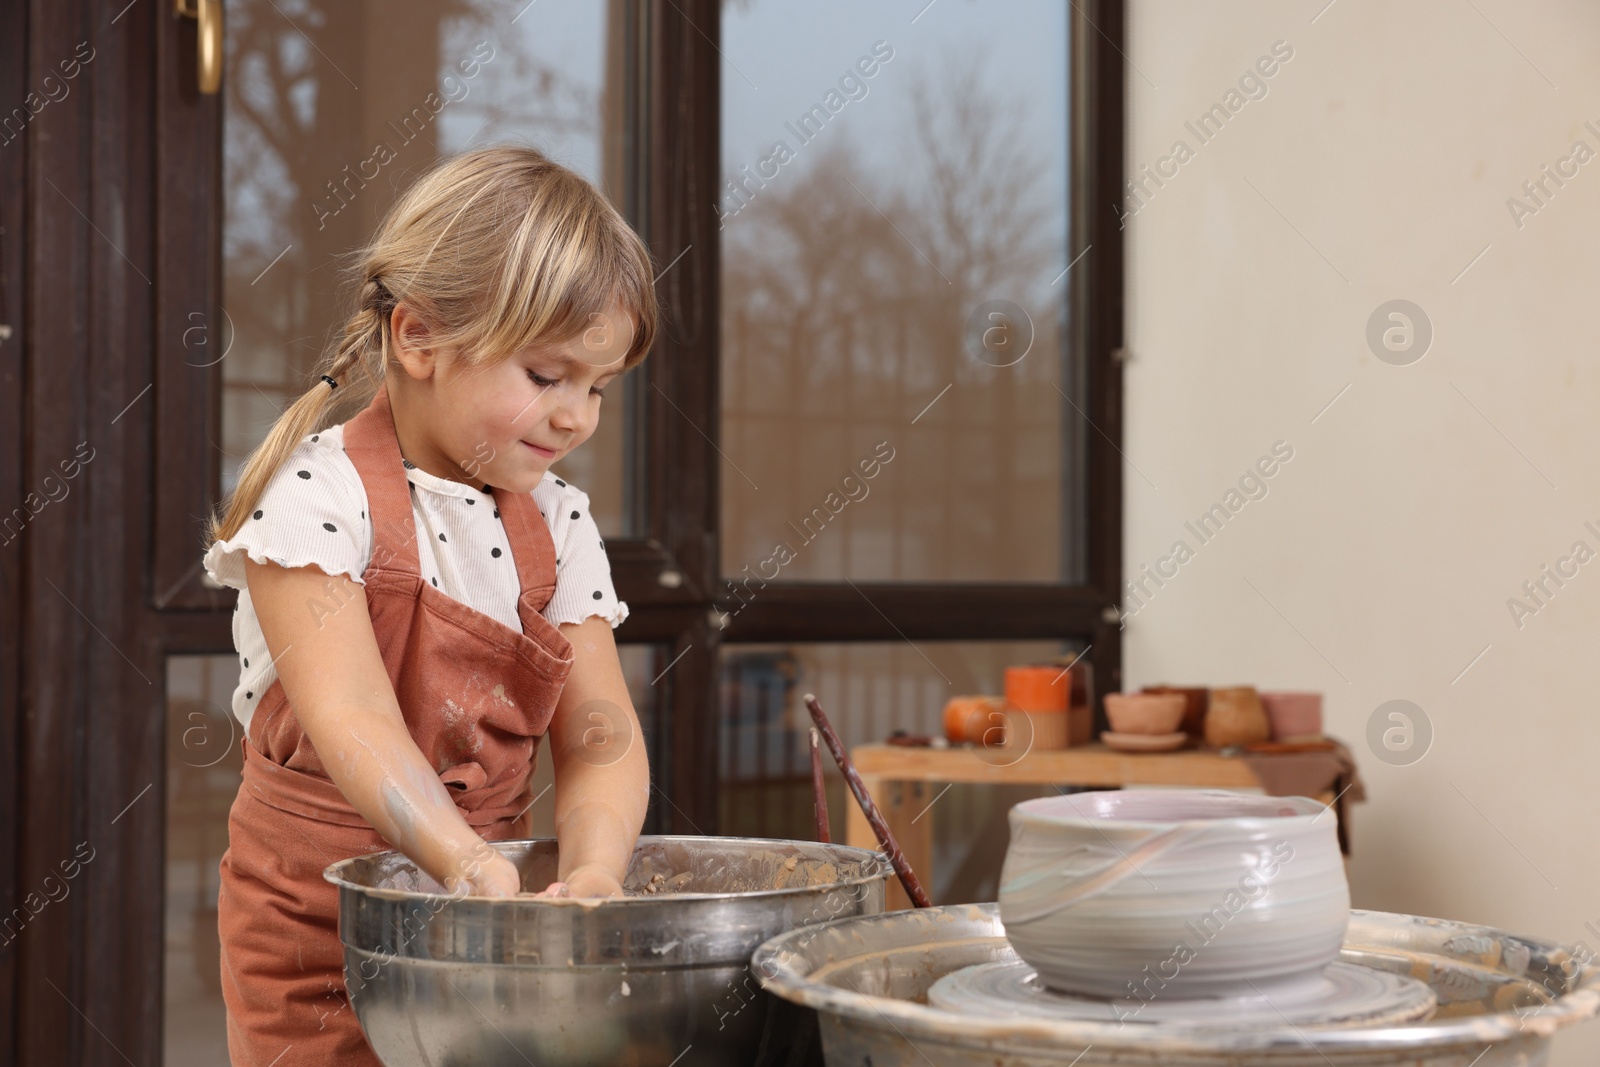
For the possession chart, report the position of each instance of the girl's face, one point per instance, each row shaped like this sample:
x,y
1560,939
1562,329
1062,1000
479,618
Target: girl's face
x,y
505,424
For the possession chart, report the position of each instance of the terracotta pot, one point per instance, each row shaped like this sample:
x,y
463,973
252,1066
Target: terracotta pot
x,y
1194,710
1235,717
1145,713
1293,714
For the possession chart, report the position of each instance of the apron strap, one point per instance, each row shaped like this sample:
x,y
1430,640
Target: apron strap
x,y
373,446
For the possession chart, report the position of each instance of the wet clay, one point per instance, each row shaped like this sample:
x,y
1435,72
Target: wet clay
x,y
660,883
712,869
664,869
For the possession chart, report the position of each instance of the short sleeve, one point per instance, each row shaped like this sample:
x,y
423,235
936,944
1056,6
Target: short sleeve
x,y
583,571
312,511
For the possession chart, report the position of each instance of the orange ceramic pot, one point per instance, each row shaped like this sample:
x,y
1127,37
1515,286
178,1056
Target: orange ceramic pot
x,y
1038,687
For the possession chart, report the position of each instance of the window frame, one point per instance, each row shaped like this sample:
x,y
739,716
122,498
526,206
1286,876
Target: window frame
x,y
669,570
1088,611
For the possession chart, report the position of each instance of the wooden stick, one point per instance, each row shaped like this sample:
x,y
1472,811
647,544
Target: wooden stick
x,y
821,806
897,859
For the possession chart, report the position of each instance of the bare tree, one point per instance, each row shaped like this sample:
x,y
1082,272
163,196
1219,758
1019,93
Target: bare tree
x,y
847,290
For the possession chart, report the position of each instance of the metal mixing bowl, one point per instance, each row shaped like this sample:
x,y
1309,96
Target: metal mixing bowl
x,y
1501,998
633,981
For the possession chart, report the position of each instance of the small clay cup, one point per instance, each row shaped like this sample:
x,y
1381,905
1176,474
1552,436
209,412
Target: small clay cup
x,y
1235,716
1145,713
1293,714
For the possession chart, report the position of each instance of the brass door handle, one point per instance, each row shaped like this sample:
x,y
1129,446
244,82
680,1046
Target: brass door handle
x,y
208,14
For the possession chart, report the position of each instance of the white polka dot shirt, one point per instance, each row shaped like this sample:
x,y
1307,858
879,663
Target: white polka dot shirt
x,y
314,511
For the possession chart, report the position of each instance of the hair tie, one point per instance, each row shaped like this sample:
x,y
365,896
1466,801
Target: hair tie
x,y
331,383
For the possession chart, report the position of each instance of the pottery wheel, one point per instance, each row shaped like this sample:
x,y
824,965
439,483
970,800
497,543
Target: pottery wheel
x,y
1344,994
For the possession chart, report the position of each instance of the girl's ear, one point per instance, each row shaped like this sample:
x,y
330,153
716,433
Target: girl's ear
x,y
412,342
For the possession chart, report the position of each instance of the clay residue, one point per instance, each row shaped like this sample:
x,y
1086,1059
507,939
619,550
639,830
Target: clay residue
x,y
405,877
460,732
660,883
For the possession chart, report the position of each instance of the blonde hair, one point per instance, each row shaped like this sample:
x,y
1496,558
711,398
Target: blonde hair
x,y
496,249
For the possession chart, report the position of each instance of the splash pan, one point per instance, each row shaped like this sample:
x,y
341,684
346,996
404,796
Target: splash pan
x,y
1499,999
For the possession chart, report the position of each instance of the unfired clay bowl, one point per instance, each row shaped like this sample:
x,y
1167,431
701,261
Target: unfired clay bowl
x,y
1145,713
1173,893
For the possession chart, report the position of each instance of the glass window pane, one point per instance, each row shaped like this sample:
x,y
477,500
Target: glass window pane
x,y
203,774
642,666
895,375
329,108
868,691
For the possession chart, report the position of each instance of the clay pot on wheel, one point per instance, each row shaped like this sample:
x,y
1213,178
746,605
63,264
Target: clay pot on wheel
x,y
1098,888
1235,717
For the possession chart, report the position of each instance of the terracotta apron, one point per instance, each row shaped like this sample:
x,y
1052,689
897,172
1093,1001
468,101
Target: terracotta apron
x,y
476,696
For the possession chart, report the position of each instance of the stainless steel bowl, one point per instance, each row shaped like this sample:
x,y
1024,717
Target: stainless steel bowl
x,y
635,981
1501,998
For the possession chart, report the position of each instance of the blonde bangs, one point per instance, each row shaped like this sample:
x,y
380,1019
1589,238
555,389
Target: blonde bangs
x,y
563,270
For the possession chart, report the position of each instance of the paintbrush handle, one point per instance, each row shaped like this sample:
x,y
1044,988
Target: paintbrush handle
x,y
821,803
897,859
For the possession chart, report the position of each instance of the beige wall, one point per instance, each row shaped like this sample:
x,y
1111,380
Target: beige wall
x,y
1380,562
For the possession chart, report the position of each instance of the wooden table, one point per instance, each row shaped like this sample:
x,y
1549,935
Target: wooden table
x,y
901,780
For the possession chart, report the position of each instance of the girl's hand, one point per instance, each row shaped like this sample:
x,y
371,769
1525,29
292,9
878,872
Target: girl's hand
x,y
589,880
494,876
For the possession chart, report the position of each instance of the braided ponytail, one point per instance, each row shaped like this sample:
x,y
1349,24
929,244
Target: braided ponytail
x,y
366,334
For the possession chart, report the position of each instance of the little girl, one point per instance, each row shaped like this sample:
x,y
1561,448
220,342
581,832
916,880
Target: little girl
x,y
420,598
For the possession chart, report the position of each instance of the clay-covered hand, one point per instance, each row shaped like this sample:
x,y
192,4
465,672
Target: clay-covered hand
x,y
487,876
589,880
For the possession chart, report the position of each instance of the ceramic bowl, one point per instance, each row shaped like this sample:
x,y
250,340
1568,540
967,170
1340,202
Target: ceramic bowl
x,y
1293,714
1145,713
1173,893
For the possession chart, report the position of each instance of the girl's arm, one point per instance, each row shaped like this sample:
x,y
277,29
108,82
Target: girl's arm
x,y
339,690
602,772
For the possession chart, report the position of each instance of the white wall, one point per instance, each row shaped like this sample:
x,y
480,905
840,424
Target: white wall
x,y
1420,501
